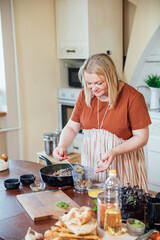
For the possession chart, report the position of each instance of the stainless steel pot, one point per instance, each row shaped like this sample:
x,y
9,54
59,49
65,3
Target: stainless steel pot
x,y
51,141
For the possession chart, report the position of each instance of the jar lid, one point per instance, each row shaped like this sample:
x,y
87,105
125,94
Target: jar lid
x,y
57,132
48,135
51,136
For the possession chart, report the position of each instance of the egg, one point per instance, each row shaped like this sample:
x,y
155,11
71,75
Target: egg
x,y
94,192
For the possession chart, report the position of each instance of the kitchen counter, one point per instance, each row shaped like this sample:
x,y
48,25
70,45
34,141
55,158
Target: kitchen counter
x,y
14,220
73,158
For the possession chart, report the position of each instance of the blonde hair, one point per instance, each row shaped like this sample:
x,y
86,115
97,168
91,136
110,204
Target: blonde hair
x,y
100,64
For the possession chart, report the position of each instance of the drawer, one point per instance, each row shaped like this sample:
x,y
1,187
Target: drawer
x,y
154,168
154,128
154,143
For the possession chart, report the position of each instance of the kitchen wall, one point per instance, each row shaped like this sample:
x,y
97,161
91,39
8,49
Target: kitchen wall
x,y
144,18
38,65
38,71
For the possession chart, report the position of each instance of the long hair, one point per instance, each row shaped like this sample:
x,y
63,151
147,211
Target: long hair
x,y
100,64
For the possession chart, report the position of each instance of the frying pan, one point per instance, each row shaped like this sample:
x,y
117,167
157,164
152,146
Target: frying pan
x,y
55,181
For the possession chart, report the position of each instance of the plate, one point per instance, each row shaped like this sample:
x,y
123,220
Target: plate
x,y
105,236
3,165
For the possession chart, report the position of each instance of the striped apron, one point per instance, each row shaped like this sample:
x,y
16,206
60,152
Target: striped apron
x,y
130,166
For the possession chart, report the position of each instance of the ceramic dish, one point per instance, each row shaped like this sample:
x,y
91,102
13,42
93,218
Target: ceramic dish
x,y
27,179
12,183
135,227
37,186
3,165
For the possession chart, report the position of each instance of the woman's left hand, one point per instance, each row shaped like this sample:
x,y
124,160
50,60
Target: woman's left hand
x,y
107,159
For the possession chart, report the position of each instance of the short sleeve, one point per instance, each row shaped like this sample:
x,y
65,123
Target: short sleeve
x,y
78,108
138,113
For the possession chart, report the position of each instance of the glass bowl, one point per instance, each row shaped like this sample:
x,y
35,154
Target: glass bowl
x,y
37,186
135,227
83,181
95,189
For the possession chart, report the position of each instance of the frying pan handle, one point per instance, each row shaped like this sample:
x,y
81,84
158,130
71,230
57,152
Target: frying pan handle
x,y
48,162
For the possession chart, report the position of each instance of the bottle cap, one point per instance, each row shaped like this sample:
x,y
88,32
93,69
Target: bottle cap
x,y
112,171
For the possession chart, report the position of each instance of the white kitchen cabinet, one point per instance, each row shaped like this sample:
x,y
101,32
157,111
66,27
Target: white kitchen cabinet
x,y
153,166
85,27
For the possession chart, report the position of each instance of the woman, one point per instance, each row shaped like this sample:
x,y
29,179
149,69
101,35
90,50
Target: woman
x,y
114,118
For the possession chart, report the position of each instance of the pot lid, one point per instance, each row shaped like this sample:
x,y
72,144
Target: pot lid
x,y
52,135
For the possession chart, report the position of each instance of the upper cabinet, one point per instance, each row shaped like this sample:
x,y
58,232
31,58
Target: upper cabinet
x,y
85,27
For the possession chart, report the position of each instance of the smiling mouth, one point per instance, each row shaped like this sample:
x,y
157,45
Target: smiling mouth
x,y
96,92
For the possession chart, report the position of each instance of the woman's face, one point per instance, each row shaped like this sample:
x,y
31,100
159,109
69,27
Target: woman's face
x,y
97,84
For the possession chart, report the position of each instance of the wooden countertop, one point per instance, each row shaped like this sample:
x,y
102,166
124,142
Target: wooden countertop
x,y
73,158
14,220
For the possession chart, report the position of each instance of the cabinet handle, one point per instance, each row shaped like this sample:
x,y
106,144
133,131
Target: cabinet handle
x,y
70,51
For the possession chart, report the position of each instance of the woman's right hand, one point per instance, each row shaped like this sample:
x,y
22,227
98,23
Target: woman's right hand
x,y
59,153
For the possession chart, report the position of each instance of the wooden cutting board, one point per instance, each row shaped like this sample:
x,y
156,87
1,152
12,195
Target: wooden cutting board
x,y
42,205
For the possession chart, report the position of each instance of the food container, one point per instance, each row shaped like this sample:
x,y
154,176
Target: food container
x,y
135,227
12,183
37,186
27,179
95,189
3,165
103,204
83,181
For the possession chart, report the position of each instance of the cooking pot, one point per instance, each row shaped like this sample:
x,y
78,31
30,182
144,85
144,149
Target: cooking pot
x,y
153,213
55,181
51,141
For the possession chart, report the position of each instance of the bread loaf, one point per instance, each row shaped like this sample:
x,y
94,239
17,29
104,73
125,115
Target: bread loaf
x,y
4,157
78,216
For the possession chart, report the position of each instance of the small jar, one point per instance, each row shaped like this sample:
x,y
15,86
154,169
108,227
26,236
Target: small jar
x,y
108,215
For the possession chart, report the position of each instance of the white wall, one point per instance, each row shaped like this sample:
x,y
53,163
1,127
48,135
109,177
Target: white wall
x,y
37,68
145,22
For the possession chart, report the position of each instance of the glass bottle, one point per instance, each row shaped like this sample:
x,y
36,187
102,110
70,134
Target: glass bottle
x,y
109,204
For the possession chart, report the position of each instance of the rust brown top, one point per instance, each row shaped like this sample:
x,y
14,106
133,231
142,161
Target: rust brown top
x,y
3,114
129,113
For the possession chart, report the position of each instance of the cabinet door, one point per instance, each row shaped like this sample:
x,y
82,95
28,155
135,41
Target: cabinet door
x,y
72,28
105,29
153,171
154,156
